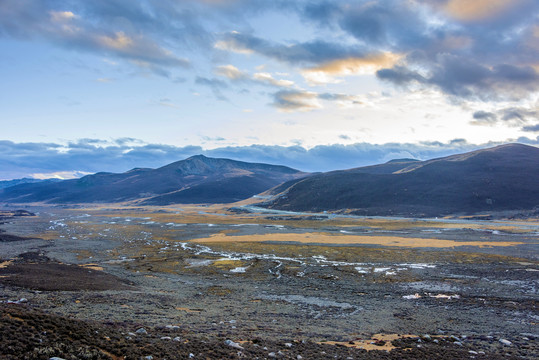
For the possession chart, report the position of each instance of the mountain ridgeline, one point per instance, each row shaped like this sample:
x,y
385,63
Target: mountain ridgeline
x,y
198,179
502,178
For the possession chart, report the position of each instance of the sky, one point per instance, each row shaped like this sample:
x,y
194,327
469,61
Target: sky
x,y
108,85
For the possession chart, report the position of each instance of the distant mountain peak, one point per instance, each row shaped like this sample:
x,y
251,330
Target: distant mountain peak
x,y
197,157
198,179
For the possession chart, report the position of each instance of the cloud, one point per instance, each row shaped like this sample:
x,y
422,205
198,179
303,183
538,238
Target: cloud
x,y
513,116
86,155
231,44
342,100
234,74
215,85
296,100
386,23
301,100
482,50
471,50
166,103
231,72
368,64
216,138
400,75
465,78
61,175
531,128
465,10
407,43
519,114
94,155
109,28
338,156
311,52
268,79
484,118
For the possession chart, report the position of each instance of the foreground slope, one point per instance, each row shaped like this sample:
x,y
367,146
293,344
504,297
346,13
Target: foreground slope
x,y
505,177
198,179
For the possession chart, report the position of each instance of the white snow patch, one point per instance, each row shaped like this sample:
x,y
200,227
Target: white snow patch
x,y
411,297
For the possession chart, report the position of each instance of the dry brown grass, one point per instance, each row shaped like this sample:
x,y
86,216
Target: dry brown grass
x,y
330,239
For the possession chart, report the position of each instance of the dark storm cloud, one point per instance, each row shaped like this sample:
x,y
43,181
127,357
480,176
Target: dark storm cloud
x,y
481,55
464,78
395,24
460,77
467,55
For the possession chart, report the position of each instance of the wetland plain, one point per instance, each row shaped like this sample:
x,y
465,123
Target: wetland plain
x,y
231,282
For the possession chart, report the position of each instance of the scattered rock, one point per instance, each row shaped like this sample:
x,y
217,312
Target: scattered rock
x,y
233,344
141,331
505,342
454,338
20,301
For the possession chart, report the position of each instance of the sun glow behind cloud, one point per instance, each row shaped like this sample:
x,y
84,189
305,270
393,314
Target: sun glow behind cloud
x,y
478,9
368,65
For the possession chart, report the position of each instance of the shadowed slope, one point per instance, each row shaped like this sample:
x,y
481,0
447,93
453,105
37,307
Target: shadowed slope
x,y
197,179
501,178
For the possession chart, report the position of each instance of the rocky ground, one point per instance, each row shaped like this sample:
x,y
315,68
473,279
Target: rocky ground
x,y
120,284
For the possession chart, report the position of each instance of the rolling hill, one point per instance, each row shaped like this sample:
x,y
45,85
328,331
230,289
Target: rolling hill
x,y
15,182
198,179
505,177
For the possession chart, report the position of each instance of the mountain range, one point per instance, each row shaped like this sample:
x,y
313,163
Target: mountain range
x,y
9,183
198,179
505,177
501,178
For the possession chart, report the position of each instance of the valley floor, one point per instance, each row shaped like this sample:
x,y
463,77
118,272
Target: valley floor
x,y
210,282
